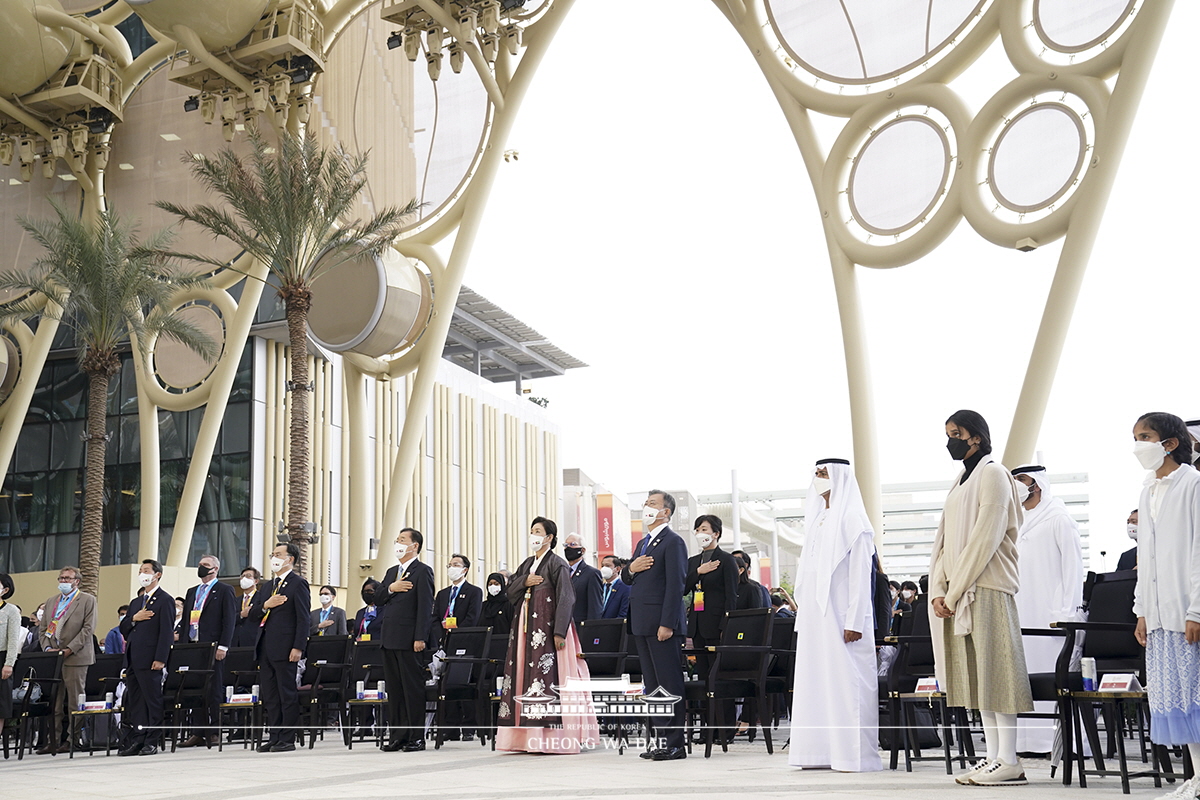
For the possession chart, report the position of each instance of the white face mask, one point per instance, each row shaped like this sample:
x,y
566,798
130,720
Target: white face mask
x,y
247,583
822,485
39,615
326,599
536,542
401,550
1023,492
276,563
456,572
65,588
907,594
493,589
146,578
606,573
704,539
649,515
1132,531
1149,454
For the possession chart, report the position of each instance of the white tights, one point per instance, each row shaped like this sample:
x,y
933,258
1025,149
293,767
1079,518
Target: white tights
x,y
1195,751
1000,734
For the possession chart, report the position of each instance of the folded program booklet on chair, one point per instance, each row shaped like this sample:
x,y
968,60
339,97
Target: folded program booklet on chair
x,y
1120,682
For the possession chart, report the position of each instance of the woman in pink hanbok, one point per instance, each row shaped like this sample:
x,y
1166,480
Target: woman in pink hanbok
x,y
537,713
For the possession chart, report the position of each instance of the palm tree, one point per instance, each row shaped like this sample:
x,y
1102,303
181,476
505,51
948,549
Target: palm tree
x,y
106,286
289,208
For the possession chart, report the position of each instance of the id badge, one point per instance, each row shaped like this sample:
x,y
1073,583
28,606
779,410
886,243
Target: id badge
x,y
698,601
195,617
366,637
451,622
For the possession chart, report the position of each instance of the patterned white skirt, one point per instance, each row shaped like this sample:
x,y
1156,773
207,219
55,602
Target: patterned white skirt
x,y
1173,675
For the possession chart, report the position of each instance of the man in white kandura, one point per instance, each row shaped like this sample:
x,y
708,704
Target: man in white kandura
x,y
1050,561
835,718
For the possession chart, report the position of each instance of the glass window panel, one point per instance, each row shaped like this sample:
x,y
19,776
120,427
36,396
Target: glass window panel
x,y
66,444
39,502
33,448
128,386
111,448
195,417
243,383
70,390
233,547
164,541
120,547
204,540
127,483
130,449
235,429
65,494
172,430
62,550
174,473
27,554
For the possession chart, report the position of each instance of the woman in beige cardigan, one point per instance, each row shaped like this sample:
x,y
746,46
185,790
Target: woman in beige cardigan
x,y
973,580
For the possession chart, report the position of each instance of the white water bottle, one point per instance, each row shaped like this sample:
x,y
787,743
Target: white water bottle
x,y
382,686
254,693
1088,667
359,688
82,701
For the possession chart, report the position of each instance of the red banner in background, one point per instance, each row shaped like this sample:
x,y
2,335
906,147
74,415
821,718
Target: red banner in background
x,y
764,571
605,535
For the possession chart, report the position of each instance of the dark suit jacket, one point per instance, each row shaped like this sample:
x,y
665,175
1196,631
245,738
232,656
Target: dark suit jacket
x,y
618,602
149,640
720,593
286,627
656,594
337,616
1128,559
245,631
216,618
589,592
750,595
406,615
467,607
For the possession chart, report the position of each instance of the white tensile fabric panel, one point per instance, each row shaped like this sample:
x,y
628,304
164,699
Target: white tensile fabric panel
x,y
1075,23
451,115
863,40
1036,157
899,175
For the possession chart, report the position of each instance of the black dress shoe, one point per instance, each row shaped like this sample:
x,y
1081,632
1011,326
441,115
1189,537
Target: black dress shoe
x,y
148,750
670,754
195,740
649,754
48,750
468,737
414,747
265,747
282,747
132,750
393,746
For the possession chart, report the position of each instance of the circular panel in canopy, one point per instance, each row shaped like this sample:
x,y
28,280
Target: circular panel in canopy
x,y
853,42
1073,26
178,366
1037,157
899,175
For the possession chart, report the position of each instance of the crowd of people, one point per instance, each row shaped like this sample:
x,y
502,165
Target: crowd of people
x,y
1006,554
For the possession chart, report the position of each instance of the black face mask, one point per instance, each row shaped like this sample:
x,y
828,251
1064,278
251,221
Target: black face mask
x,y
368,598
204,571
573,553
958,448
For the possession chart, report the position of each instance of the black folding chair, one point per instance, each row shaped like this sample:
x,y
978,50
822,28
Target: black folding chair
x,y
35,674
739,669
603,643
366,667
189,673
497,656
782,671
462,677
240,677
102,678
323,685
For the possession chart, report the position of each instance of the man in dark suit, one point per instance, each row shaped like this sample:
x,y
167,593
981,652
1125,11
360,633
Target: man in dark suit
x,y
712,579
149,630
1128,559
614,598
283,619
405,599
209,612
585,580
657,621
252,593
457,606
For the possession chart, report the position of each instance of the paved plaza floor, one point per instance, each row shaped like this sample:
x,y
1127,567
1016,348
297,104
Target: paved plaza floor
x,y
466,771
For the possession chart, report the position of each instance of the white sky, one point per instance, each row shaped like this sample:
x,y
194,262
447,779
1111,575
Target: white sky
x,y
659,226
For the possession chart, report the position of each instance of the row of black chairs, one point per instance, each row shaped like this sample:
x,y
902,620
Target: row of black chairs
x,y
1107,636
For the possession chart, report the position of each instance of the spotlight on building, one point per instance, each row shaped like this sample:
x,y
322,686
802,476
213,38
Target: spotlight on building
x,y
412,43
457,55
6,150
395,40
208,108
434,62
191,104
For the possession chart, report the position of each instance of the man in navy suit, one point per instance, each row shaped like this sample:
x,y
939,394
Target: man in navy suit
x,y
149,630
657,621
283,618
209,612
614,595
585,580
405,600
457,606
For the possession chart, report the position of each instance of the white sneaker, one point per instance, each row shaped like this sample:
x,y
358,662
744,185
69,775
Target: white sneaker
x,y
965,778
1000,774
1184,791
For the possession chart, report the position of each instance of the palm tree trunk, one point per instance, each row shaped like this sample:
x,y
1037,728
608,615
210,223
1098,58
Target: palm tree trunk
x,y
298,301
91,538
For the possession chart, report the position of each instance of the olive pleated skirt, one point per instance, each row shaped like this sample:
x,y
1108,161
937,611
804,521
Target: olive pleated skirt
x,y
986,668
